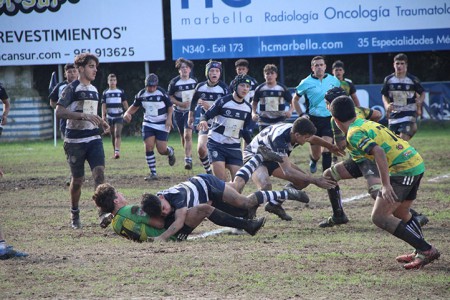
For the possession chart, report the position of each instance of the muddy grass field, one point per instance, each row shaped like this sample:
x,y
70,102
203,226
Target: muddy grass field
x,y
285,260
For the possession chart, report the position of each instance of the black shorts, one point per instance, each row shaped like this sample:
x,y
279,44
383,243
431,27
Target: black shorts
x,y
323,125
364,168
405,187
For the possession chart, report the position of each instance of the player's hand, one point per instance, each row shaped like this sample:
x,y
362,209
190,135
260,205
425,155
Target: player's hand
x,y
106,128
388,194
204,104
203,125
255,117
325,183
190,122
4,120
288,114
168,125
335,149
342,144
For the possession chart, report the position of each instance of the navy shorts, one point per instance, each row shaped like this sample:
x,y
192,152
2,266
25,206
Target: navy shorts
x,y
323,125
180,119
78,153
217,152
159,134
407,128
114,121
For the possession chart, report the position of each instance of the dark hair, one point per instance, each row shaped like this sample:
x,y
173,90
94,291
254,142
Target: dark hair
x,y
241,63
182,60
83,59
69,66
270,68
104,196
338,64
334,93
151,205
304,126
343,108
402,57
317,58
112,75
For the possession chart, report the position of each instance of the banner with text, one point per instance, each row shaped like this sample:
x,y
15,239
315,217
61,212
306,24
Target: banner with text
x,y
203,29
55,31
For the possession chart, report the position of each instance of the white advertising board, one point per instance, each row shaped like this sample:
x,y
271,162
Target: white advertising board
x,y
42,32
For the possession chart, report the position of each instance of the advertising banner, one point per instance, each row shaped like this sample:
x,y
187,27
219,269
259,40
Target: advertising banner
x,y
203,29
54,32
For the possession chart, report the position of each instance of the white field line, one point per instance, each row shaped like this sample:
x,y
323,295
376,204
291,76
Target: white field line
x,y
210,233
438,178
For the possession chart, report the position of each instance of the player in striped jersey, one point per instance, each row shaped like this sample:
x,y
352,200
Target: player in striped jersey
x,y
403,96
114,102
156,124
231,117
401,169
206,93
181,90
78,104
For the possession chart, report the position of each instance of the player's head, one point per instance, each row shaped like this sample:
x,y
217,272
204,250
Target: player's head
x,y
241,66
213,71
400,63
333,93
245,82
338,69
87,64
70,72
318,66
184,66
151,82
302,129
270,73
343,109
83,59
104,197
151,205
112,80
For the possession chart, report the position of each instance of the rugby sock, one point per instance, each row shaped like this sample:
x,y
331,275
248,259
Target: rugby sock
x,y
117,151
274,197
334,195
188,159
246,171
313,160
206,164
170,151
414,226
326,160
411,237
151,161
221,218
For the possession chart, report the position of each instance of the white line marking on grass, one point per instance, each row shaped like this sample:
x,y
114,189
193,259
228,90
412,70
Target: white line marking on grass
x,y
438,178
210,233
357,197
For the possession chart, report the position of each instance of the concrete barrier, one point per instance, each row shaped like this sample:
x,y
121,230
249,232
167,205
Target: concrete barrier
x,y
29,119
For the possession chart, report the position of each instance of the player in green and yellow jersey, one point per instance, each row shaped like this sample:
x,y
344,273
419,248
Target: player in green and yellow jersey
x,y
400,167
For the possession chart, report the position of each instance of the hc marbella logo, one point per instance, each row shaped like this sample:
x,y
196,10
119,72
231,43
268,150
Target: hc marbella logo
x,y
209,3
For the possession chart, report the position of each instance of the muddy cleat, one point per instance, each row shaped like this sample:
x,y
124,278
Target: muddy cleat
x,y
75,219
172,157
188,165
277,210
297,195
116,155
105,219
9,252
312,166
331,221
423,258
151,177
255,226
268,154
406,258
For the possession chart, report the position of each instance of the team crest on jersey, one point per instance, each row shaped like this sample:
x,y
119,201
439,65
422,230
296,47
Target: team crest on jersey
x,y
228,112
399,147
408,87
215,154
158,98
238,114
407,153
203,95
391,86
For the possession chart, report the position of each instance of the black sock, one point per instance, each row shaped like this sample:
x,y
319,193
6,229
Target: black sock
x,y
335,199
326,160
221,218
411,237
312,159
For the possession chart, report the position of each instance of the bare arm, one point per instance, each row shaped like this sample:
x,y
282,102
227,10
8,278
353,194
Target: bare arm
x,y
6,107
383,168
130,111
376,116
180,217
387,105
104,111
295,101
169,118
315,140
355,99
255,116
156,222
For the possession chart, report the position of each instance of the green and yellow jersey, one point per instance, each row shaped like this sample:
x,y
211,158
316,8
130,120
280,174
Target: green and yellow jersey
x,y
132,223
402,158
361,113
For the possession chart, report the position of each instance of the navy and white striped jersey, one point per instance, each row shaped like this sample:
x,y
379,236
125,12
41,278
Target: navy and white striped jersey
x,y
229,120
155,107
57,91
277,137
113,100
78,97
208,93
402,92
196,190
272,103
182,90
